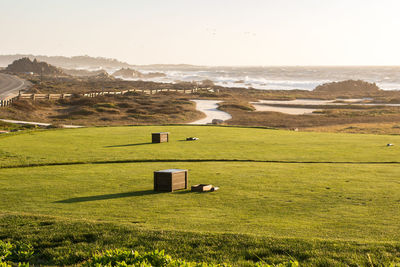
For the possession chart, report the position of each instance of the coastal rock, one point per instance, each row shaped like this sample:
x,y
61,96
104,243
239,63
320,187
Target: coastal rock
x,y
348,86
83,73
25,65
131,74
103,75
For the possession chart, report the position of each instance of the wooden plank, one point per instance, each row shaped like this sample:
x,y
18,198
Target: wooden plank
x,y
178,186
178,176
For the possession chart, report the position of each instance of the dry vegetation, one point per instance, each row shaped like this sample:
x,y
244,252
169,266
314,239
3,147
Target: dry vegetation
x,y
79,85
129,109
243,114
325,118
237,105
176,108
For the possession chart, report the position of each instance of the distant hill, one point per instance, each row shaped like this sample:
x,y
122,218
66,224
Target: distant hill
x,y
349,86
68,62
88,62
25,65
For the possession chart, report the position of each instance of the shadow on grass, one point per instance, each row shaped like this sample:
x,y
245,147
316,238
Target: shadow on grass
x,y
138,144
181,192
108,196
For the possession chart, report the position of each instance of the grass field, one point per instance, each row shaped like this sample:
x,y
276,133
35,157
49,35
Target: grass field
x,y
325,199
216,143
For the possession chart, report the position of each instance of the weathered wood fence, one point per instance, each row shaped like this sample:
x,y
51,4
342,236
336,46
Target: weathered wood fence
x,y
8,101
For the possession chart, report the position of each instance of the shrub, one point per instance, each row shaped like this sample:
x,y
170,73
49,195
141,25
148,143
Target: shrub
x,y
15,253
108,110
124,105
119,257
5,250
105,105
24,105
345,87
242,106
80,101
81,111
137,111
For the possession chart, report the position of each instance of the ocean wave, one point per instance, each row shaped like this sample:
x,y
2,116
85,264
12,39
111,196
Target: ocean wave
x,y
277,78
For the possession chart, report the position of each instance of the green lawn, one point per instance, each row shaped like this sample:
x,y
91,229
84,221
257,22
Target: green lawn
x,y
133,143
302,202
285,200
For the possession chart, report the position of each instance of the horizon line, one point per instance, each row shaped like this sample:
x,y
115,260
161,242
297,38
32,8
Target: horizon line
x,y
211,65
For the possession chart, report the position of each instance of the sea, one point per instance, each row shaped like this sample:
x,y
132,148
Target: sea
x,y
275,78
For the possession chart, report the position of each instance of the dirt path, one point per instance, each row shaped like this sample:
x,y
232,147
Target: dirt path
x,y
38,123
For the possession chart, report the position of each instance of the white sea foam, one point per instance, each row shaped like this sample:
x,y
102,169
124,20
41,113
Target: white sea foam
x,y
278,78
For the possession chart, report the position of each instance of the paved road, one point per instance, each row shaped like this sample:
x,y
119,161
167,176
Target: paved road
x,y
10,85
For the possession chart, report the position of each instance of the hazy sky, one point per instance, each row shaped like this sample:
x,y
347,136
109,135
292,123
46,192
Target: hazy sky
x,y
207,32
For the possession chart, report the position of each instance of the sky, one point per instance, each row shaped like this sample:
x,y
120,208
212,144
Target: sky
x,y
206,32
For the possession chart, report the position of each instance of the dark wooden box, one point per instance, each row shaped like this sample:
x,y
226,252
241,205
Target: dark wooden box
x,y
159,137
170,180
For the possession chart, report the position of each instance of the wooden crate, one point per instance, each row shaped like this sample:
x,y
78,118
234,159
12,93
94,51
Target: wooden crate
x,y
160,137
170,180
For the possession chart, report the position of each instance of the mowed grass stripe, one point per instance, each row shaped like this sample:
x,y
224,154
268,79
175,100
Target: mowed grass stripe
x,y
194,160
131,144
324,201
